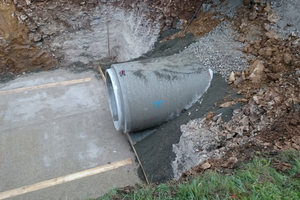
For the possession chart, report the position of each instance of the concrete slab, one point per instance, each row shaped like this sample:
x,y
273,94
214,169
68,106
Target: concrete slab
x,y
56,131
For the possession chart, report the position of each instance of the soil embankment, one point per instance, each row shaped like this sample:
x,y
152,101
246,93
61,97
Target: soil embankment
x,y
42,35
269,119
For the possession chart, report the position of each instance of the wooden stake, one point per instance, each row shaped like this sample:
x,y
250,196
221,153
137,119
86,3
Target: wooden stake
x,y
102,74
137,156
64,179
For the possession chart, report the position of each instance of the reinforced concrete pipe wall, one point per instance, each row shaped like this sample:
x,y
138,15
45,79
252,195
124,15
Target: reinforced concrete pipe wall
x,y
146,93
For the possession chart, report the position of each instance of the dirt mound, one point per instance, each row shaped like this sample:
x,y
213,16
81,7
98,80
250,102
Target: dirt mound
x,y
270,120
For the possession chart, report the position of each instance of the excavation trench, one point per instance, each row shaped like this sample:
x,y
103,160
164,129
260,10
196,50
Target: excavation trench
x,y
43,35
47,35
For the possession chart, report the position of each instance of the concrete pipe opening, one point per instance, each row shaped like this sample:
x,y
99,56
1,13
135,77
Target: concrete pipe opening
x,y
114,99
147,93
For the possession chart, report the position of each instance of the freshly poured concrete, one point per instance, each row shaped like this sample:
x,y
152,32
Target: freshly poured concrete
x,y
56,131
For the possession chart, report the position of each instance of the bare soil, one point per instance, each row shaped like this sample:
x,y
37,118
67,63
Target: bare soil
x,y
265,115
17,53
269,121
35,34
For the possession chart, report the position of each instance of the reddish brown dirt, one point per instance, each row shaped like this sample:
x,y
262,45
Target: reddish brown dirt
x,y
17,53
22,56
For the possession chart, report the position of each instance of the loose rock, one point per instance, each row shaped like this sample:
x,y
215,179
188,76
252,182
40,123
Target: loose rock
x,y
231,78
257,71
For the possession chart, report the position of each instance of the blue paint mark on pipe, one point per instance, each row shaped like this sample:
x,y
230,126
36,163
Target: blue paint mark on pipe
x,y
158,104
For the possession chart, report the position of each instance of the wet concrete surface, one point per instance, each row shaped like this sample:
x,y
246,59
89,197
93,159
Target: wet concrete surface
x,y
57,131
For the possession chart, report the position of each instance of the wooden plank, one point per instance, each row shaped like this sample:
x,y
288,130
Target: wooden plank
x,y
64,179
137,156
83,80
102,74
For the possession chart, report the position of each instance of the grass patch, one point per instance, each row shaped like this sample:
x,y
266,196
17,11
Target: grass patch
x,y
258,179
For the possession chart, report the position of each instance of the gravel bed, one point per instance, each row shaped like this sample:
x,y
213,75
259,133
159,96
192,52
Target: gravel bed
x,y
218,51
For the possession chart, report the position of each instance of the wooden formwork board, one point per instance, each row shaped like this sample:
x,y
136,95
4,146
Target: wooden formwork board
x,y
64,179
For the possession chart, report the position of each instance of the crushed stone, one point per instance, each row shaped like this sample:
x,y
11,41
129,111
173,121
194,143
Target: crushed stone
x,y
219,51
288,11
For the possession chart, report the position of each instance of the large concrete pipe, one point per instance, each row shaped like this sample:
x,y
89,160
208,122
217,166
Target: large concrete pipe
x,y
150,92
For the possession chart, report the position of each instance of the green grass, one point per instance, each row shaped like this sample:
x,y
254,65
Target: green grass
x,y
257,179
